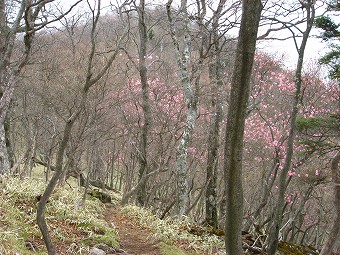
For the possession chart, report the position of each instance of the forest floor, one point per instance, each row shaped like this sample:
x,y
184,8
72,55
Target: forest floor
x,y
133,239
111,228
85,229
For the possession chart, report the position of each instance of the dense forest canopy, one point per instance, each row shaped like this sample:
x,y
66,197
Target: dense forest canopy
x,y
138,97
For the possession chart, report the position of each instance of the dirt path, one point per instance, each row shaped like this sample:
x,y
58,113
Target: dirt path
x,y
134,240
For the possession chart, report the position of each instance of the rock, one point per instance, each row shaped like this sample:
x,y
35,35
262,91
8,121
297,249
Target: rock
x,y
96,251
109,250
103,197
221,252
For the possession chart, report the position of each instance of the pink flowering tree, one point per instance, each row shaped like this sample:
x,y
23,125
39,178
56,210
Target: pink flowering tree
x,y
267,128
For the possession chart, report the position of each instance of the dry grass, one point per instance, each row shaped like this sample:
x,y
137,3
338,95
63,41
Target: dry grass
x,y
74,230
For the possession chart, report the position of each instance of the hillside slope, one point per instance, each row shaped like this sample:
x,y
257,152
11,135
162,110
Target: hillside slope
x,y
96,228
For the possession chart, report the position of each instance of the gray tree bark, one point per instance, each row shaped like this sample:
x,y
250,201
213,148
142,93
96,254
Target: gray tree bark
x,y
213,144
240,88
216,76
142,154
51,249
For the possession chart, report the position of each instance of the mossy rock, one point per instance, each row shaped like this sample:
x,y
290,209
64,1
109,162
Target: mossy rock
x,y
103,197
286,248
200,230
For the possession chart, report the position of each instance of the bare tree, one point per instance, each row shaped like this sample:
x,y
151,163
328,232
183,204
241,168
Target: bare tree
x,y
90,80
143,155
216,75
18,18
277,219
191,94
240,88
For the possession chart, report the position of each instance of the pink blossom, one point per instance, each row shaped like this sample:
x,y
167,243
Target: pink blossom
x,y
291,173
258,159
192,150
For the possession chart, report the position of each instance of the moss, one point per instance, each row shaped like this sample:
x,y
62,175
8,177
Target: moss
x,y
167,249
108,237
286,248
103,197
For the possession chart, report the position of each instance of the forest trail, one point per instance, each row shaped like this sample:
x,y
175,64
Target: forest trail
x,y
134,239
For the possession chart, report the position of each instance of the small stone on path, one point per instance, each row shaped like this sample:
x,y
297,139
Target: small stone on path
x,y
96,251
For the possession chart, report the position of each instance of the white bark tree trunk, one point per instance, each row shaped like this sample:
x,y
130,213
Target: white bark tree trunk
x,y
181,157
183,62
7,81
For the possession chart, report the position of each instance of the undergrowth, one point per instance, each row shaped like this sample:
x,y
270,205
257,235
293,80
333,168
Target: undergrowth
x,y
74,229
174,230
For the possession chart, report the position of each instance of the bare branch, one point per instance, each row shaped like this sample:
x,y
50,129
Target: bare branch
x,y
39,26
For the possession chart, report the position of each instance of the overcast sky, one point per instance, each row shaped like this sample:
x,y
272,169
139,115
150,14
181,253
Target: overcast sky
x,y
315,47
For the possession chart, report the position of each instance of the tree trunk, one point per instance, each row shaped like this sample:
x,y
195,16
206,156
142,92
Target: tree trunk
x,y
181,162
277,219
239,95
211,174
142,154
183,62
333,236
216,76
213,145
50,188
7,81
9,145
7,84
4,160
8,73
